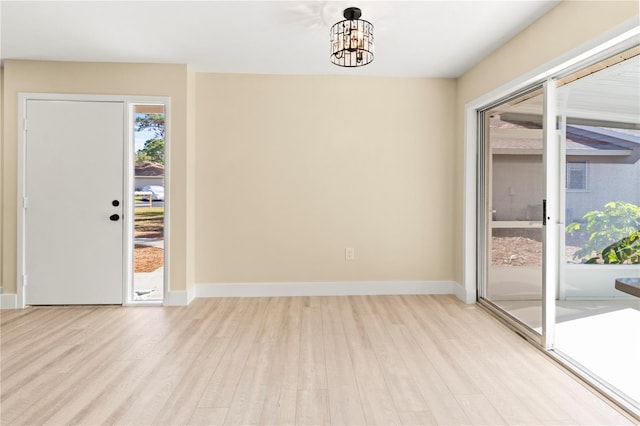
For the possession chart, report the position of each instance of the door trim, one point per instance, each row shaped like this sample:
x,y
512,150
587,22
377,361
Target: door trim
x,y
128,136
129,196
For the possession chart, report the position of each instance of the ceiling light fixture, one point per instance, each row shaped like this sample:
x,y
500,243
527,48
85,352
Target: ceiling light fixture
x,y
352,40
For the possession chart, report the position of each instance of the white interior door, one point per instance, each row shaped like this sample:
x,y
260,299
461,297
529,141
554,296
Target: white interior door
x,y
73,241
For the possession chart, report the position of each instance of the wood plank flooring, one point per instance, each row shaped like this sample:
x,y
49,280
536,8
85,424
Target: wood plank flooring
x,y
380,360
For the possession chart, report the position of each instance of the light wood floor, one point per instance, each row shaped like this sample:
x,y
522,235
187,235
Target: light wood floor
x,y
413,360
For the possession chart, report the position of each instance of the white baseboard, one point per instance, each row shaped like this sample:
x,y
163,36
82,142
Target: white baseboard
x,y
290,289
8,301
180,298
326,288
184,298
461,293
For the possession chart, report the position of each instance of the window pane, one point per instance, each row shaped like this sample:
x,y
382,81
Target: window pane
x,y
596,323
577,175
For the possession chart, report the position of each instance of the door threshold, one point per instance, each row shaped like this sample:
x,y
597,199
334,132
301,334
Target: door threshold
x,y
144,303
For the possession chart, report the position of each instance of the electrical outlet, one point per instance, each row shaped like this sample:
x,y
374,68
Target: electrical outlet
x,y
349,253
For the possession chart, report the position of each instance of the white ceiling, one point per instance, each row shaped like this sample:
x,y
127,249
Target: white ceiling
x,y
419,38
609,95
612,94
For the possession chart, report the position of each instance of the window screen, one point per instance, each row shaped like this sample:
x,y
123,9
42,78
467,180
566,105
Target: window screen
x,y
577,175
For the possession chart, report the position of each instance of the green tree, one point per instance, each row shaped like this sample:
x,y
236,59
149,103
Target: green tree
x,y
153,149
153,122
614,234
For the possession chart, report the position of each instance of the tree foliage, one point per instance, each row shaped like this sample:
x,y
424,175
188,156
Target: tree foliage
x,y
627,250
153,149
614,234
153,122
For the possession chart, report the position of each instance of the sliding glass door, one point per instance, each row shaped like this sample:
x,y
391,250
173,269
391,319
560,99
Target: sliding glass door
x,y
513,198
559,218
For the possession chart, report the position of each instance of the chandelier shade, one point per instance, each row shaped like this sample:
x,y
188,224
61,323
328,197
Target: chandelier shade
x,y
352,40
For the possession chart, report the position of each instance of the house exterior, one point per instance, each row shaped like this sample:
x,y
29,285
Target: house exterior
x,y
148,173
602,165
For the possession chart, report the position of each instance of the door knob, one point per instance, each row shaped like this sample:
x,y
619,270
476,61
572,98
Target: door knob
x,y
114,217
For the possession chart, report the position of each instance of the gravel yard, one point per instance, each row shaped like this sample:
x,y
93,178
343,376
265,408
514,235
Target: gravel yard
x,y
521,251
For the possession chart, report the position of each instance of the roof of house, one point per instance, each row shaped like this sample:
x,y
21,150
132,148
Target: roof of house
x,y
147,168
524,138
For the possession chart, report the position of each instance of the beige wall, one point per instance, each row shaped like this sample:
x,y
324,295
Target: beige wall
x,y
283,184
103,78
292,169
562,29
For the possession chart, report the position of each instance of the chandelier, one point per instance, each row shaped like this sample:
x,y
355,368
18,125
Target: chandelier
x,y
352,40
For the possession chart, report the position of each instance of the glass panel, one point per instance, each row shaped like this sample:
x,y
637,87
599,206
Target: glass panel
x,y
515,191
598,325
149,204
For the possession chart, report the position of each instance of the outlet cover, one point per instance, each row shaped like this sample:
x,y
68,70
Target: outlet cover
x,y
349,253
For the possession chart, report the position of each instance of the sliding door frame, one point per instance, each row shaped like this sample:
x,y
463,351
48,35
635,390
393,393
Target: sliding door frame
x,y
622,38
484,229
552,221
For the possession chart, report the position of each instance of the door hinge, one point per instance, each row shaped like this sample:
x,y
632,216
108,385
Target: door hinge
x,y
24,124
24,280
25,202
